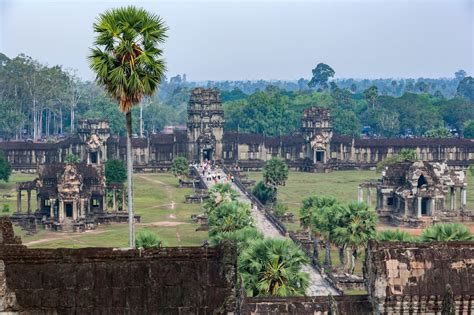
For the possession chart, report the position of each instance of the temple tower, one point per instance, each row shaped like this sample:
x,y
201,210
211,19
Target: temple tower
x,y
205,125
94,133
316,128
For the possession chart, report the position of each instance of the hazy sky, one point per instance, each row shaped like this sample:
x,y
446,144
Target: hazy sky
x,y
218,40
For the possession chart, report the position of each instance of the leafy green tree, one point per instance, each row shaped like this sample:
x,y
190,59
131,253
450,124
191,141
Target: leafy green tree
x,y
460,74
446,232
5,167
321,75
371,95
180,167
71,159
324,220
346,122
356,226
229,216
456,112
219,194
265,194
275,172
466,88
469,129
403,155
241,237
394,236
127,61
115,171
272,267
440,132
279,210
147,239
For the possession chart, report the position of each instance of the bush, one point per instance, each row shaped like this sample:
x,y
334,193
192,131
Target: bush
x,y
280,210
264,193
446,232
147,239
180,167
5,167
6,208
71,158
394,236
275,172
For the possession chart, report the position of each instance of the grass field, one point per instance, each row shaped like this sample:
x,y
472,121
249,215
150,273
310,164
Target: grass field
x,y
158,200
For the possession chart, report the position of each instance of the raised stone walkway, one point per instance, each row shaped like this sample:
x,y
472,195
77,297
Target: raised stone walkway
x,y
318,286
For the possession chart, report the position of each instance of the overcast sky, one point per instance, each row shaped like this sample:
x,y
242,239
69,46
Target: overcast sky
x,y
211,40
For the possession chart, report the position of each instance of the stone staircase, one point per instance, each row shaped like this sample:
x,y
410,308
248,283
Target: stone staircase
x,y
67,225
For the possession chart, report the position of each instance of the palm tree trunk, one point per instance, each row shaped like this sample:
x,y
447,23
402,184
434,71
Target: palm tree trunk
x,y
131,227
327,258
342,255
315,249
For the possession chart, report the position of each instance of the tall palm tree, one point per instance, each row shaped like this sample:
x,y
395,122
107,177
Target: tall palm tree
x,y
230,216
447,232
219,194
127,61
356,227
272,267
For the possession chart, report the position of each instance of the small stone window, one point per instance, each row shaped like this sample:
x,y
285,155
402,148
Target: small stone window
x,y
390,201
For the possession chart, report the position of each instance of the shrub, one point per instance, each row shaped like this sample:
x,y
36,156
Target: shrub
x,y
279,210
446,232
115,171
264,193
6,208
147,239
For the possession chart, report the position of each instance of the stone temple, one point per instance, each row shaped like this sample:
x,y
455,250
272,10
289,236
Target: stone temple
x,y
315,148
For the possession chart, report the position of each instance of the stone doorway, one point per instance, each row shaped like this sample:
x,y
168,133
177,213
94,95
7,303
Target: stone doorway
x,y
424,206
320,156
68,208
207,154
94,157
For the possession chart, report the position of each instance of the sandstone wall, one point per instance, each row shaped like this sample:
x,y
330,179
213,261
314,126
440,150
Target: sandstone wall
x,y
107,281
412,277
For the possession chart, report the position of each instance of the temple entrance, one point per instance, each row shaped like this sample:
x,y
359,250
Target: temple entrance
x,y
68,207
319,156
424,206
207,154
93,157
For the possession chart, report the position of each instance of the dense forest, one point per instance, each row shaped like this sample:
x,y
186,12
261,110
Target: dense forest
x,y
43,103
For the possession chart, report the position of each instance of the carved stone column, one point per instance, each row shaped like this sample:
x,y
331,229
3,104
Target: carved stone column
x,y
114,199
369,197
418,208
360,195
453,198
28,194
74,210
18,200
52,203
463,198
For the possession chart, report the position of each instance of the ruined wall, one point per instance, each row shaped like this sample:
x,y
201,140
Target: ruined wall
x,y
404,277
107,281
357,304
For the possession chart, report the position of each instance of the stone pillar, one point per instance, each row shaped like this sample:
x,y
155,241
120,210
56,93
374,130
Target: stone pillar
x,y
405,210
82,211
114,199
369,197
463,198
28,194
18,200
124,198
74,210
418,208
61,211
453,198
360,195
52,203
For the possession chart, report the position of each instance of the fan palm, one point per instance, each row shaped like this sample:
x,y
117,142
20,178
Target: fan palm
x,y
394,236
218,194
242,237
127,62
229,216
446,232
272,267
356,226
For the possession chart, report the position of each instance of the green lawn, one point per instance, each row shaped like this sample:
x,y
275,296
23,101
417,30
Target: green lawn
x,y
158,200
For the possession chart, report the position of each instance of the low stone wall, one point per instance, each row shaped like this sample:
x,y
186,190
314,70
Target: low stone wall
x,y
356,304
186,280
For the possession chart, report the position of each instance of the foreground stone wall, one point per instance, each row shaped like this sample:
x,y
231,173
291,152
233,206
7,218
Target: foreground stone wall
x,y
358,304
412,277
108,281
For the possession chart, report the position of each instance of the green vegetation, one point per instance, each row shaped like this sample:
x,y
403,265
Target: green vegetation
x,y
115,171
229,216
440,132
321,75
5,168
275,172
147,239
264,193
394,236
180,167
446,232
403,155
218,194
448,307
128,64
71,158
241,237
272,267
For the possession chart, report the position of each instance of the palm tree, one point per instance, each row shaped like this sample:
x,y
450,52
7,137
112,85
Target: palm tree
x,y
127,62
272,267
446,232
242,237
394,236
218,194
356,227
229,216
147,239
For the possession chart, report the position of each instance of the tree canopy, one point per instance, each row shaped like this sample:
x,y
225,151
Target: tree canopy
x,y
115,171
275,172
5,168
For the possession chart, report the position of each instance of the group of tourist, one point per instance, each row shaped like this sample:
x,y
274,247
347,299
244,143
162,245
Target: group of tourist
x,y
209,171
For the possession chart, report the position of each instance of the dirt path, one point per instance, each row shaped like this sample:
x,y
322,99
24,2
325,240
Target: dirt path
x,y
56,236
